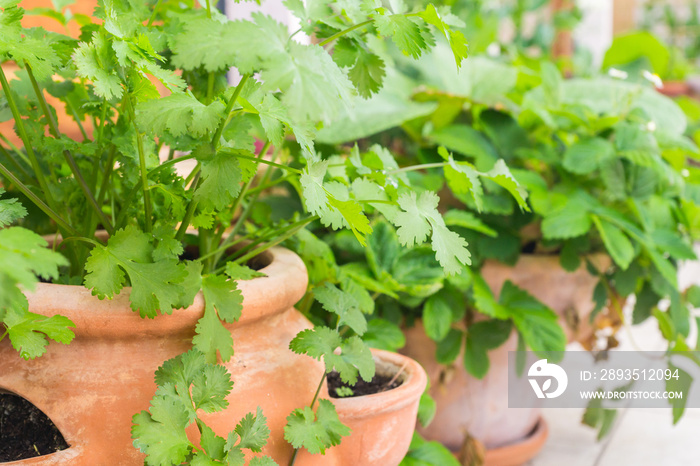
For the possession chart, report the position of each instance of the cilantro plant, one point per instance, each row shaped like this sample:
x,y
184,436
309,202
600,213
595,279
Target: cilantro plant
x,y
187,385
349,356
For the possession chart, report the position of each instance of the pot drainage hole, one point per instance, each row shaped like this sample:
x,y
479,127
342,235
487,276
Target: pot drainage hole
x,y
25,431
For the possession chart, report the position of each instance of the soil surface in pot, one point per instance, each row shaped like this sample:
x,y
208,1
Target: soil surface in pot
x,y
380,383
25,431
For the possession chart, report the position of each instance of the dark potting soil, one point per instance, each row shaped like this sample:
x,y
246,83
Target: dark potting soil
x,y
378,384
25,431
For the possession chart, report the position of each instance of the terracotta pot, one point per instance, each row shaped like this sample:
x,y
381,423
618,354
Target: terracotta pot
x,y
569,294
675,88
383,423
83,7
466,404
92,387
521,452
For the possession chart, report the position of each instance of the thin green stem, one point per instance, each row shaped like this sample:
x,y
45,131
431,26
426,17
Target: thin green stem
x,y
192,205
189,213
263,187
153,14
244,215
53,129
38,202
313,402
343,32
291,231
15,149
229,109
18,165
77,119
4,334
144,174
25,140
209,9
418,167
263,161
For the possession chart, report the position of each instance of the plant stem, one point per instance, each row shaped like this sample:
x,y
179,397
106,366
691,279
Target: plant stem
x,y
14,162
67,155
142,161
153,14
238,200
191,207
229,108
343,32
77,120
25,140
42,102
15,149
313,402
418,167
264,162
292,229
38,202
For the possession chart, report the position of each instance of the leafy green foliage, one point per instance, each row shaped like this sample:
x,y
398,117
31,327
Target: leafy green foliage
x,y
315,431
23,257
129,253
187,384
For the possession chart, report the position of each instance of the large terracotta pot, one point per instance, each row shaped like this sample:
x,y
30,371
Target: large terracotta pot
x,y
467,405
91,388
480,407
569,294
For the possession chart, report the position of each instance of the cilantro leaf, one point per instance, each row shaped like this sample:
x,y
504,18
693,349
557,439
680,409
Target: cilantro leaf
x,y
155,285
221,180
160,433
321,342
407,33
23,255
179,114
253,431
457,41
420,218
28,332
315,431
94,61
210,386
10,210
242,272
342,304
212,336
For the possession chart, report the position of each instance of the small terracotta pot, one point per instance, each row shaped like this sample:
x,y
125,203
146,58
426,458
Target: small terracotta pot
x,y
675,88
383,423
521,452
569,294
91,388
466,404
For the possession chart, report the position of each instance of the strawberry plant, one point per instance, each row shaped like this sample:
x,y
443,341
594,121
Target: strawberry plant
x,y
608,168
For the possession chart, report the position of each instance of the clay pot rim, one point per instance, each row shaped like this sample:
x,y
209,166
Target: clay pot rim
x,y
377,404
285,283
